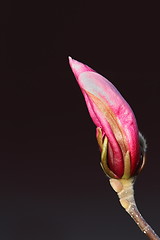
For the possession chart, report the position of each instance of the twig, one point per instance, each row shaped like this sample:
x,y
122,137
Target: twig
x,y
125,191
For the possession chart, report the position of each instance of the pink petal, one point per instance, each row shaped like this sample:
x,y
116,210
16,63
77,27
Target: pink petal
x,y
100,121
95,84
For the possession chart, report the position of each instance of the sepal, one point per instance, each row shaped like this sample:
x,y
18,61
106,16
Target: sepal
x,y
103,162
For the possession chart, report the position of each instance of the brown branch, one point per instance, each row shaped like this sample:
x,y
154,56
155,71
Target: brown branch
x,y
125,191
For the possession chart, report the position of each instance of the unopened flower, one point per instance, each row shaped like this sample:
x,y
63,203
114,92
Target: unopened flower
x,y
117,133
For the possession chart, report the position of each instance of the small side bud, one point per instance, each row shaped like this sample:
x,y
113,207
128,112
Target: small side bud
x,y
143,144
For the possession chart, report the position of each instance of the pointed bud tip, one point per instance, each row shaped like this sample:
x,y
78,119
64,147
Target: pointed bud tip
x,y
69,58
78,67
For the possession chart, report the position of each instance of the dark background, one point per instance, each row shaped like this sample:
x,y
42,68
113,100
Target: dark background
x,y
51,183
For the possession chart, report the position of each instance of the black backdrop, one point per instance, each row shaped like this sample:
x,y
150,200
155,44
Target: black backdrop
x,y
51,183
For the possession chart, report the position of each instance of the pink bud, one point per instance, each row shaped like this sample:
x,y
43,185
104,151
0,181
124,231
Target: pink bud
x,y
112,114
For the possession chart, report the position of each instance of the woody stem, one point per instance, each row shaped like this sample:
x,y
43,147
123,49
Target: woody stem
x,y
125,191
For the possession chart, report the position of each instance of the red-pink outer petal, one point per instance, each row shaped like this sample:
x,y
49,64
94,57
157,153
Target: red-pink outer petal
x,y
100,121
94,83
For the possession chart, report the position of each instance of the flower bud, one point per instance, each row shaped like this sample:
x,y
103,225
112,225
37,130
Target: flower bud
x,y
117,131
